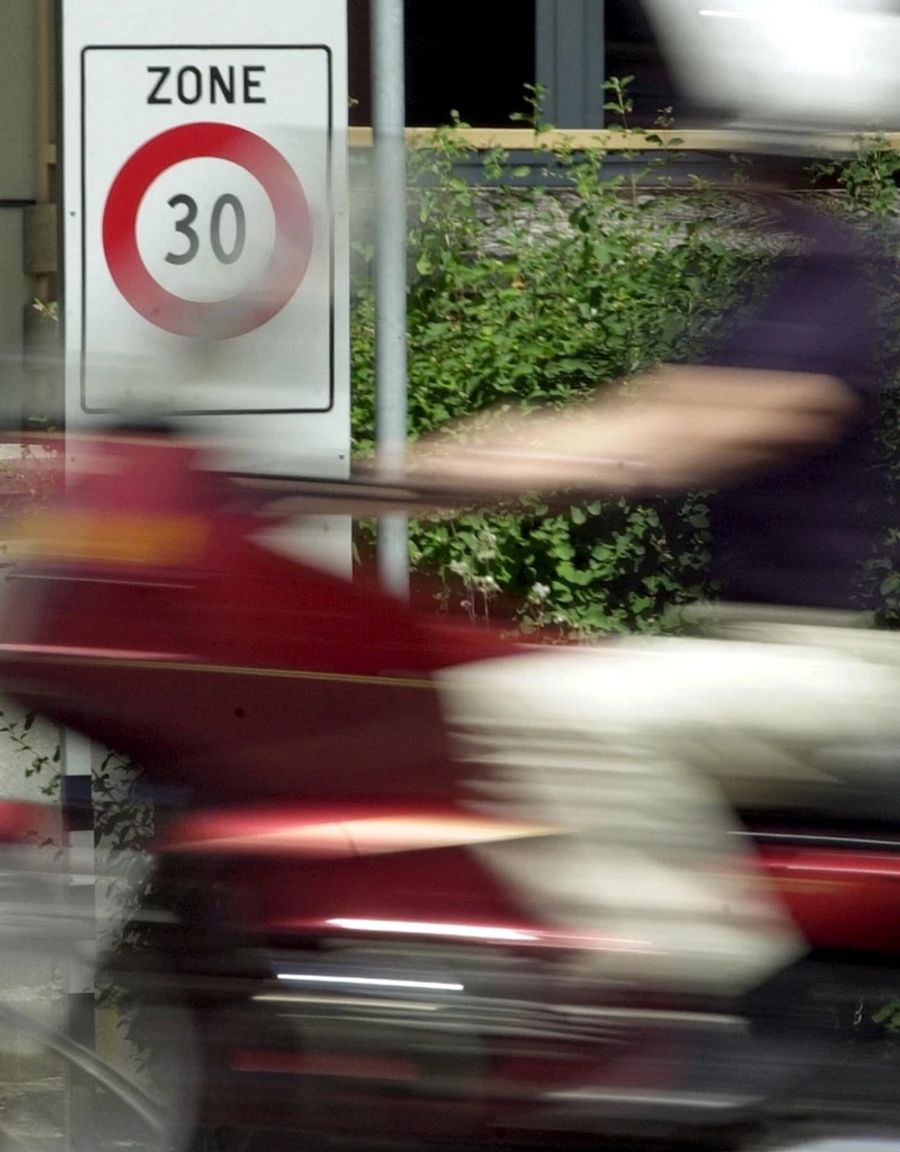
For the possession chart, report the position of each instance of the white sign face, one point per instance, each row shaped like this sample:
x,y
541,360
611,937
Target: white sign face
x,y
206,220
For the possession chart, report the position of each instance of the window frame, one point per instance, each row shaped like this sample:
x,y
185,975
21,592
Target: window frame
x,y
571,61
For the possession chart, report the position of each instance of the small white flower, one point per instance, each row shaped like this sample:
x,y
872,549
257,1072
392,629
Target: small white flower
x,y
540,592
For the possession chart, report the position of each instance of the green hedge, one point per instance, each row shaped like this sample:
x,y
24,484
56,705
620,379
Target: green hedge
x,y
535,295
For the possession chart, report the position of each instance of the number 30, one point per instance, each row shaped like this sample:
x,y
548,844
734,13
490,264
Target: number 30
x,y
185,227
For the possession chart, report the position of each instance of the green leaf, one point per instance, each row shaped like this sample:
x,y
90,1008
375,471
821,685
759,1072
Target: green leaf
x,y
886,1013
572,575
890,584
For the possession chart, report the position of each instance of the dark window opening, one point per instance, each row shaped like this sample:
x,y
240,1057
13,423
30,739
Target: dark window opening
x,y
632,50
359,48
457,59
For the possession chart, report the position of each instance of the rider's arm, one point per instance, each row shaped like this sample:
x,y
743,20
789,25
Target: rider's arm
x,y
679,428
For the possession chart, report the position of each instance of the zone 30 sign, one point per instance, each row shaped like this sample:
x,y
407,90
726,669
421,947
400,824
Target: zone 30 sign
x,y
205,210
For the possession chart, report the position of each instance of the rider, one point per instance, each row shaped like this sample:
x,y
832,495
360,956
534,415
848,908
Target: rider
x,y
630,746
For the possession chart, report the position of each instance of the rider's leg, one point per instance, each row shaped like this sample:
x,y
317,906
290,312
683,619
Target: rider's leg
x,y
621,745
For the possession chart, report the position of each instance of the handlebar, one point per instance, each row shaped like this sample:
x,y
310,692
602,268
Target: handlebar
x,y
366,496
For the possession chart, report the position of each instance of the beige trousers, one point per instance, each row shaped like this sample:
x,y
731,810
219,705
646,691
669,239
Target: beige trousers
x,y
639,748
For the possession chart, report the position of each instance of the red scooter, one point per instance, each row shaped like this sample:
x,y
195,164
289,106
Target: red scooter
x,y
341,960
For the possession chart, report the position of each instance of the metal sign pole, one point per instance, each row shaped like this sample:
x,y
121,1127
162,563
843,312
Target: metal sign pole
x,y
389,122
78,816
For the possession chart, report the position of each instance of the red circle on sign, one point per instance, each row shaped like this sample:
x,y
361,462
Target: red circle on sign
x,y
242,313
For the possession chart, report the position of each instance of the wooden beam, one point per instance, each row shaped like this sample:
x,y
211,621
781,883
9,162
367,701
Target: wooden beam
x,y
525,140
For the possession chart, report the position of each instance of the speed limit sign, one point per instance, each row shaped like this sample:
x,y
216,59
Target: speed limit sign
x,y
205,217
287,248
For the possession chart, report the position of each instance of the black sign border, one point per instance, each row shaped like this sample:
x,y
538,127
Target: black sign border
x,y
100,411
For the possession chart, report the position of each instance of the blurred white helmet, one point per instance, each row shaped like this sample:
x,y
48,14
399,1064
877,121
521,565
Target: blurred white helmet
x,y
787,66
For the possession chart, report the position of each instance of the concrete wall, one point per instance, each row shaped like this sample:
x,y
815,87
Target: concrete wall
x,y
23,977
17,101
17,192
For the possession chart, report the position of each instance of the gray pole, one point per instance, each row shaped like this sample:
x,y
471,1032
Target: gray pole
x,y
389,106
